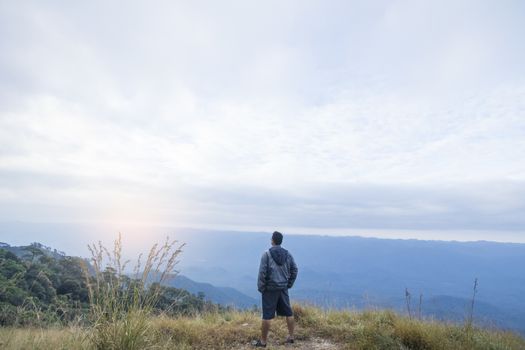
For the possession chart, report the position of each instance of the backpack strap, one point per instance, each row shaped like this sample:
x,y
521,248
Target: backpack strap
x,y
268,264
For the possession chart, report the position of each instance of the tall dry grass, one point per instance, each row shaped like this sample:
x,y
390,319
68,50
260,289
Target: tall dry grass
x,y
120,306
343,330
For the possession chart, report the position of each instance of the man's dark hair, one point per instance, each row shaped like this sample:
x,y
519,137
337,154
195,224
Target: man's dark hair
x,y
277,237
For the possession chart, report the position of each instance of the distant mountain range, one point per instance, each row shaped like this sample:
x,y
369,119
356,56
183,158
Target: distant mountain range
x,y
221,295
447,308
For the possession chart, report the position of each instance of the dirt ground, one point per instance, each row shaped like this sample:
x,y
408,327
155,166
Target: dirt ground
x,y
311,344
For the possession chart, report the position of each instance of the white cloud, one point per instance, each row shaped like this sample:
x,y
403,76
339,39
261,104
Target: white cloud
x,y
115,109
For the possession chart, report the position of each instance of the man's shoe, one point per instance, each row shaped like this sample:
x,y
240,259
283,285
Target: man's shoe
x,y
258,344
289,341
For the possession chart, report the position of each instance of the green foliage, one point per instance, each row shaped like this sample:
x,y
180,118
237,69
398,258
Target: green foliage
x,y
35,288
40,287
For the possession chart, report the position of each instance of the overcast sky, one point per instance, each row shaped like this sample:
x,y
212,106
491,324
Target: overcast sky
x,y
400,115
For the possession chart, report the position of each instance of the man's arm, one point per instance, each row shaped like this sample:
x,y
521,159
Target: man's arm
x,y
263,268
293,272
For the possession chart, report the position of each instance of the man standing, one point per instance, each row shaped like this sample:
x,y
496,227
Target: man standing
x,y
277,274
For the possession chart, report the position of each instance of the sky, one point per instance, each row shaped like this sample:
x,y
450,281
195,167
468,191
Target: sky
x,y
318,116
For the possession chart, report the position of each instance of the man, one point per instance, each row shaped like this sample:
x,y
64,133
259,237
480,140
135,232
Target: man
x,y
277,274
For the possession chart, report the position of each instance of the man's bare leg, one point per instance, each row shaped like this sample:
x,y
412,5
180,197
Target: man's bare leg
x,y
290,322
265,329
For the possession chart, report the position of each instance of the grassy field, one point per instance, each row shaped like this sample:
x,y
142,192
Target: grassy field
x,y
316,329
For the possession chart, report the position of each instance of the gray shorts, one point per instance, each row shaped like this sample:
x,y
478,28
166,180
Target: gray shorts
x,y
276,301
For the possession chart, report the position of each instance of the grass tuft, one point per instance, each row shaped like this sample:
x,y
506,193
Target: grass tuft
x,y
120,306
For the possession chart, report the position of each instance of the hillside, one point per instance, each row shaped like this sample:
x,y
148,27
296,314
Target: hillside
x,y
339,272
45,304
39,287
30,250
225,296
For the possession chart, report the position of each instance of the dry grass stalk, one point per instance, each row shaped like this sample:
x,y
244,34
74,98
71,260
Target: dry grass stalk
x,y
119,305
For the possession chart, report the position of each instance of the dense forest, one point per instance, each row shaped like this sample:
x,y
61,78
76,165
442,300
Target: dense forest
x,y
39,285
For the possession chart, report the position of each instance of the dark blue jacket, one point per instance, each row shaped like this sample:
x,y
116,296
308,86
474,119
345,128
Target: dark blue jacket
x,y
277,270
